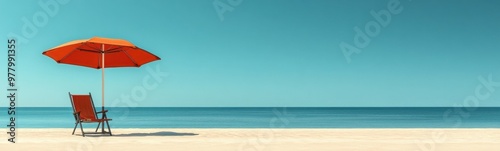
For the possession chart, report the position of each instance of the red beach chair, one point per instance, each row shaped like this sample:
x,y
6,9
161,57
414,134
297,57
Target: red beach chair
x,y
84,112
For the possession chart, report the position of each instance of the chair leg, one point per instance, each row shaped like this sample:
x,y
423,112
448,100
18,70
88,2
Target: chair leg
x,y
76,125
98,126
109,129
81,128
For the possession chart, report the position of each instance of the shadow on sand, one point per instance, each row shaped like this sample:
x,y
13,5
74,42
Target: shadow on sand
x,y
164,133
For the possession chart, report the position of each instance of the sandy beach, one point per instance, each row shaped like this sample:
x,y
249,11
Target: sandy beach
x,y
260,139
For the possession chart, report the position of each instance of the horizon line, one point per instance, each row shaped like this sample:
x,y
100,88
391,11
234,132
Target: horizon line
x,y
267,107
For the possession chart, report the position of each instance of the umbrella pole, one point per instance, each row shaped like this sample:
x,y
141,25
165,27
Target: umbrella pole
x,y
102,69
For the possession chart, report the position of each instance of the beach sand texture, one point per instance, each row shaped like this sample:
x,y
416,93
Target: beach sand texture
x,y
50,139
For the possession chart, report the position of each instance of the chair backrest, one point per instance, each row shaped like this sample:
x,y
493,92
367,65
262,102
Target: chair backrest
x,y
85,105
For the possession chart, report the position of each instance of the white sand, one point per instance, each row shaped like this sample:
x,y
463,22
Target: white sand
x,y
259,139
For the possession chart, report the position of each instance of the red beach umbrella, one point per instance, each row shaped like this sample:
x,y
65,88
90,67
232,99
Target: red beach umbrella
x,y
100,53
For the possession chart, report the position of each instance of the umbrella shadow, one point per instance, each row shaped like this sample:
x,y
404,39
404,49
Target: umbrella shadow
x,y
162,133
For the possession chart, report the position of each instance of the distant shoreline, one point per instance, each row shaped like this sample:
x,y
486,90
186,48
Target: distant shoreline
x,y
249,107
270,117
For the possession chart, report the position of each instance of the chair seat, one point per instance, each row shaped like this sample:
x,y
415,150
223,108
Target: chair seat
x,y
95,120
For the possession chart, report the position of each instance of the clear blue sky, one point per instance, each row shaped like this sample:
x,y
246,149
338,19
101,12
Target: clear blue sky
x,y
265,52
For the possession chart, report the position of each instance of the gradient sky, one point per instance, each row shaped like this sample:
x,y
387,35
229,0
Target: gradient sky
x,y
265,53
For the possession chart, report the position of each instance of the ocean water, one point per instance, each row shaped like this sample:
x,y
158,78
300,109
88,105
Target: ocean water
x,y
279,117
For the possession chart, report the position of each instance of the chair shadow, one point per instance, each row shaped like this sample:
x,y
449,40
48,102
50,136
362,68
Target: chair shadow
x,y
163,133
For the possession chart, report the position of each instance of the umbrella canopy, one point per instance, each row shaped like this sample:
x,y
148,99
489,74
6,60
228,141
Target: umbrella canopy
x,y
100,53
91,53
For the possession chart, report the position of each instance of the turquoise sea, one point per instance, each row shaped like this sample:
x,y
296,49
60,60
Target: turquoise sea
x,y
268,117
